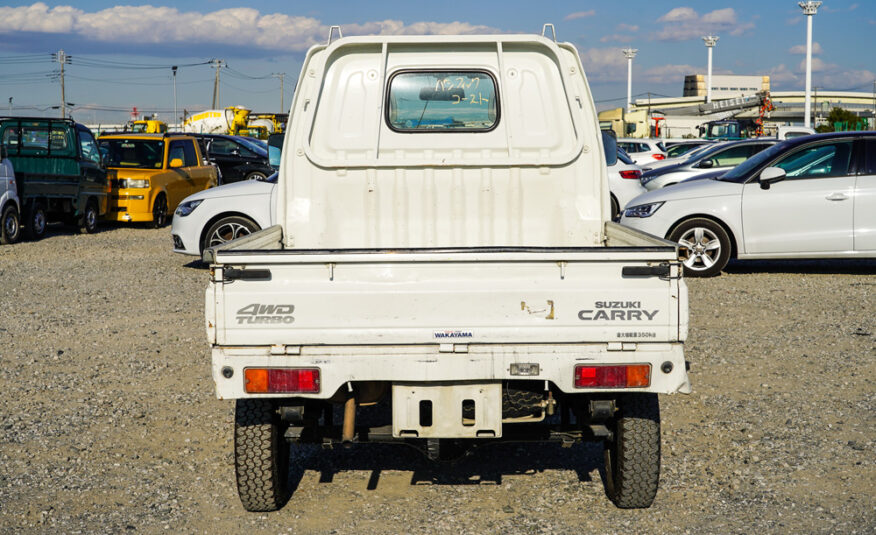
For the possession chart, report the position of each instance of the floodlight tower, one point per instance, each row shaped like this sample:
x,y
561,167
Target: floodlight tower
x,y
810,8
710,41
630,53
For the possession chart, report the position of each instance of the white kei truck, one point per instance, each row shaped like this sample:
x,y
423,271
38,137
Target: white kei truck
x,y
445,251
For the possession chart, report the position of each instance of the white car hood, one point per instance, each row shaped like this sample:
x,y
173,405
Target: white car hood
x,y
694,189
235,189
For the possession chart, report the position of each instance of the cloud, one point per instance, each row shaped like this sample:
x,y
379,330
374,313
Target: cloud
x,y
244,27
684,23
781,74
580,15
801,49
627,34
679,14
604,64
817,65
793,21
671,74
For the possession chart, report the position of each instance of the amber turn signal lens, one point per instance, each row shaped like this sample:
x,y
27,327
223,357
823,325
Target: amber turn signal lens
x,y
280,380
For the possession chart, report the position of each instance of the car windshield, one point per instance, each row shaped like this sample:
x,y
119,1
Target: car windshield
x,y
624,157
684,148
741,172
133,153
255,145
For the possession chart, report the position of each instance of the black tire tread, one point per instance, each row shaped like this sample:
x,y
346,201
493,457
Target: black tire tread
x,y
260,456
5,238
82,224
633,484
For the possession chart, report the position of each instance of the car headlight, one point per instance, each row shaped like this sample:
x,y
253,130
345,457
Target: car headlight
x,y
125,183
187,207
643,210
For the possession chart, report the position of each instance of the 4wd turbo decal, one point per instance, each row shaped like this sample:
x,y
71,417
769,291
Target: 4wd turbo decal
x,y
617,311
265,314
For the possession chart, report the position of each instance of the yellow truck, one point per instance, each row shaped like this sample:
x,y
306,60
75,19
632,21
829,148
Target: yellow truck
x,y
149,174
147,126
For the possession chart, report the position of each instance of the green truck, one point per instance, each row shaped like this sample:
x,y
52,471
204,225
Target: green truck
x,y
59,173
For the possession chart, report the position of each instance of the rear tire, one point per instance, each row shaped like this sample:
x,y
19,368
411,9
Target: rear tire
x,y
10,231
256,175
37,222
261,455
159,211
615,209
88,222
632,457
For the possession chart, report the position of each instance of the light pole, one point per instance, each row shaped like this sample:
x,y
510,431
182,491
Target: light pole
x,y
710,41
810,8
630,53
175,116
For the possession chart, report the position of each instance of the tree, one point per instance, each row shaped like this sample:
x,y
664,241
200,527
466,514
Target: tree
x,y
839,115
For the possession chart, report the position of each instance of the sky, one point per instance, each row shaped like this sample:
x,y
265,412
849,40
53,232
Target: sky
x,y
121,54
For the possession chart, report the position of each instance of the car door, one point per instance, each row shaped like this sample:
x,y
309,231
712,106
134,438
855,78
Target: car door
x,y
810,211
865,199
180,184
221,152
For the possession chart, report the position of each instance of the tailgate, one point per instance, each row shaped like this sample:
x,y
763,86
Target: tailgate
x,y
600,294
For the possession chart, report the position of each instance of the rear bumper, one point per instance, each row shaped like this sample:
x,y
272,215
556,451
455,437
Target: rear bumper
x,y
432,364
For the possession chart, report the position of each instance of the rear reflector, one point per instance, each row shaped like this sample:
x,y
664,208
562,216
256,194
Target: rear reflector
x,y
632,173
658,156
628,376
277,380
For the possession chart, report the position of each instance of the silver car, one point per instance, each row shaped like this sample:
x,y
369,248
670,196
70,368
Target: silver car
x,y
721,156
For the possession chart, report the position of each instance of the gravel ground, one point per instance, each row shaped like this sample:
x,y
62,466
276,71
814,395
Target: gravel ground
x,y
110,424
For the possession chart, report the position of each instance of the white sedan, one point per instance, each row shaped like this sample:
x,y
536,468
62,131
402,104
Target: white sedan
x,y
218,215
808,197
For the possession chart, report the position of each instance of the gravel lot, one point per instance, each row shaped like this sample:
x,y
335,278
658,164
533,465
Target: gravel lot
x,y
110,423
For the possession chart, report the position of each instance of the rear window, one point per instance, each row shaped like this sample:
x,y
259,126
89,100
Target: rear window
x,y
442,101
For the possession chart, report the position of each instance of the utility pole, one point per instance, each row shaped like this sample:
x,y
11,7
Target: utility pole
x,y
710,41
281,76
175,116
217,64
62,59
810,8
629,53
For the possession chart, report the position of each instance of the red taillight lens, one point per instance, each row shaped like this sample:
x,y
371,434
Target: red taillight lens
x,y
633,375
658,156
277,380
634,174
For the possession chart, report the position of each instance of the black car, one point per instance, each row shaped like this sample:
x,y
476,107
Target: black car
x,y
238,158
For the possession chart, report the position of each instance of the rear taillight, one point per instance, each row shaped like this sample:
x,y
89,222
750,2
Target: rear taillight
x,y
626,376
658,156
278,380
635,174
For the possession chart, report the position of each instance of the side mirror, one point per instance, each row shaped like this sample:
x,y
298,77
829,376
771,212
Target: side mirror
x,y
770,176
707,164
176,162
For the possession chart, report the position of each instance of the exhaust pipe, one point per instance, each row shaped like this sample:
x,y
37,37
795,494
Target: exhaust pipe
x,y
349,416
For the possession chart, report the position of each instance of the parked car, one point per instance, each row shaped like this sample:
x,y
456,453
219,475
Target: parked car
x,y
221,214
151,173
642,151
238,157
674,160
623,176
674,149
807,197
59,175
725,155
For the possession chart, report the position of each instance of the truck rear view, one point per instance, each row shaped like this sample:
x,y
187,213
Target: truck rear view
x,y
446,253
